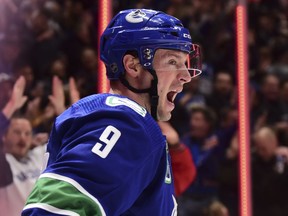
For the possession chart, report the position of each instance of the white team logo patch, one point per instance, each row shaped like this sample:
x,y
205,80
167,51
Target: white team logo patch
x,y
116,101
135,16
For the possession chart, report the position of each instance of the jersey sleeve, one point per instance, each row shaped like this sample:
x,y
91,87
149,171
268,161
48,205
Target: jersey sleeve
x,y
102,164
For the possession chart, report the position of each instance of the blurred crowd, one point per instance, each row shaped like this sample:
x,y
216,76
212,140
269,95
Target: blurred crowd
x,y
50,48
40,38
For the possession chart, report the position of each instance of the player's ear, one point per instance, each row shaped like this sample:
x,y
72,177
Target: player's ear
x,y
131,65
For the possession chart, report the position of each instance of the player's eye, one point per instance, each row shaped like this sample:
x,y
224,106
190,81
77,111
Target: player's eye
x,y
172,62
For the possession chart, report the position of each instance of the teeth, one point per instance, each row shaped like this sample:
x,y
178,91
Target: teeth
x,y
177,91
174,94
173,98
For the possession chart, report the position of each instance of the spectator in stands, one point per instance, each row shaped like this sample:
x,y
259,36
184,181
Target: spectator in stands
x,y
20,167
228,177
208,145
267,26
21,152
10,49
202,143
189,97
216,208
223,93
268,104
270,174
86,76
47,44
59,68
280,66
80,31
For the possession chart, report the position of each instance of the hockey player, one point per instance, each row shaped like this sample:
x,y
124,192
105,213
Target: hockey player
x,y
106,153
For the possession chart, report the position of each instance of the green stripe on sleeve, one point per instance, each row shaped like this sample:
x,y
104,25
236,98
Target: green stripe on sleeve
x,y
61,194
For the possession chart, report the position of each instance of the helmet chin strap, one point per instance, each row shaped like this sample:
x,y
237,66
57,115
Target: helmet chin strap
x,y
153,91
154,97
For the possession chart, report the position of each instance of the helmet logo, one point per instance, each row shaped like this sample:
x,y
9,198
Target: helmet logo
x,y
186,36
147,64
114,67
147,53
135,16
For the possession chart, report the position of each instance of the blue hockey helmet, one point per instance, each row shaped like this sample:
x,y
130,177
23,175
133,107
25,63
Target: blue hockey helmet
x,y
145,31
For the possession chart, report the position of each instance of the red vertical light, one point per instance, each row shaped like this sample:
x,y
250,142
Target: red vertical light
x,y
243,107
104,16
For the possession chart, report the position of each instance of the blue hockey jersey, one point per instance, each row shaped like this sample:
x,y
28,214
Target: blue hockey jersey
x,y
107,156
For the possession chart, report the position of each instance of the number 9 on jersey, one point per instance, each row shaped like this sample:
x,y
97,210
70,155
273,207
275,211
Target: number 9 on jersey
x,y
109,137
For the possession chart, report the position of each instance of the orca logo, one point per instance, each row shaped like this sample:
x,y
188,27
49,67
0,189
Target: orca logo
x,y
135,16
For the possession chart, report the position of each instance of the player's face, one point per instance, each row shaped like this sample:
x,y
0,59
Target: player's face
x,y
172,75
18,139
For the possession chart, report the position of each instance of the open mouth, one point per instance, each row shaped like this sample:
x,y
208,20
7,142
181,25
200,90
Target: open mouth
x,y
171,96
21,145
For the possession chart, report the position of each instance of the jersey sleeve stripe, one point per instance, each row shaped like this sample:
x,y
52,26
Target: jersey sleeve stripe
x,y
64,193
75,184
51,209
